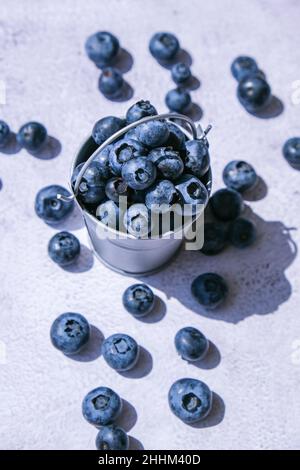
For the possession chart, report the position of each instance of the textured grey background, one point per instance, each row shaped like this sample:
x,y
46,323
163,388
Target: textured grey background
x,y
256,371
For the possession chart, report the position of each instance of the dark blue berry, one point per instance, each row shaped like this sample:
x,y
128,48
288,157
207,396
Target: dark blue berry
x,y
176,138
243,66
106,127
101,406
226,204
197,158
102,158
242,233
137,220
139,173
116,187
120,351
162,196
215,238
51,209
32,136
209,289
180,72
178,100
108,213
102,47
70,332
254,93
111,82
92,185
112,438
191,344
140,110
122,151
167,161
153,133
138,300
164,46
239,175
190,400
191,190
64,248
291,151
4,134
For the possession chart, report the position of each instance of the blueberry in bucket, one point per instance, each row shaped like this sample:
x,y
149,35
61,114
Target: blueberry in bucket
x,y
106,127
162,196
70,332
51,209
190,400
153,133
197,158
91,189
101,406
139,173
120,351
137,220
116,187
191,190
122,151
167,161
108,213
140,110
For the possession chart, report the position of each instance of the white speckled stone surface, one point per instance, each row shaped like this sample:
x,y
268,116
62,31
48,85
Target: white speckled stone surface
x,y
254,368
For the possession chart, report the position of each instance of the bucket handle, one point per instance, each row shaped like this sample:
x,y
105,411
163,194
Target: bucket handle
x,y
197,132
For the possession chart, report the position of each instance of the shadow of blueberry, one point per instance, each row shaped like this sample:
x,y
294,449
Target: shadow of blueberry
x,y
257,193
12,146
135,444
1,184
182,56
124,61
73,222
194,112
143,366
128,416
124,94
215,416
158,312
51,149
84,263
211,360
93,348
272,110
191,84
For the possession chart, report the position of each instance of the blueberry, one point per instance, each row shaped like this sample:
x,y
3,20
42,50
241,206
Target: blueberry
x,y
190,400
108,213
137,220
32,136
122,151
291,151
176,138
4,134
102,47
116,187
92,186
242,233
140,110
64,248
191,190
243,66
197,158
102,158
209,289
178,100
254,93
120,351
215,238
180,73
191,344
51,209
138,300
111,82
239,175
167,161
132,134
101,406
70,332
139,173
106,127
162,196
164,46
226,204
153,133
112,438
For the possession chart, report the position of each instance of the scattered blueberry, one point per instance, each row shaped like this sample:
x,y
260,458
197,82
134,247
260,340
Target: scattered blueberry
x,y
137,220
139,173
226,204
112,438
191,190
51,209
102,47
138,300
111,82
120,351
191,344
242,233
239,175
215,238
180,73
291,151
92,185
162,196
243,66
116,187
176,138
190,400
70,332
106,127
153,133
254,93
4,134
167,161
122,151
64,248
164,46
178,100
32,136
108,214
140,110
197,158
209,289
102,158
101,406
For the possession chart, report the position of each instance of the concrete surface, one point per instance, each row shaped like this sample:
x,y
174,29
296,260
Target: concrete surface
x,y
254,365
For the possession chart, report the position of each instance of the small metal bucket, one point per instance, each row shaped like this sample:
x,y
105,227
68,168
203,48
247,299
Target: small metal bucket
x,y
123,252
